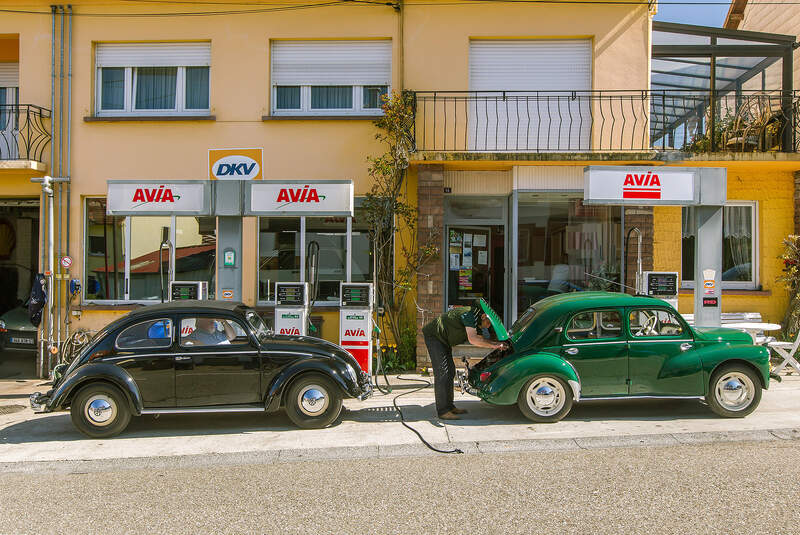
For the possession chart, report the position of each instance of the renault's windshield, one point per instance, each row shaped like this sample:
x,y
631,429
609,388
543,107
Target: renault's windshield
x,y
258,325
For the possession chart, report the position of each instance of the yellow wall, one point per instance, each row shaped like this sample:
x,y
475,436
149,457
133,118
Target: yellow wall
x,y
773,189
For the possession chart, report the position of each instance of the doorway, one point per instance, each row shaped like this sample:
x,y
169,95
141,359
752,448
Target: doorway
x,y
476,265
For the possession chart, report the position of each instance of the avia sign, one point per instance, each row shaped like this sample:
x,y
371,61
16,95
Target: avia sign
x,y
640,185
235,164
126,197
294,197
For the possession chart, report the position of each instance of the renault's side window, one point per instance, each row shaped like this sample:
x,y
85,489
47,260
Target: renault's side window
x,y
654,322
147,334
593,325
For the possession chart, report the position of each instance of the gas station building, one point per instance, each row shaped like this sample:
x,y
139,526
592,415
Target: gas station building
x,y
217,152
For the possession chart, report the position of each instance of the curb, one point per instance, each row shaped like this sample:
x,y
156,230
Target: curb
x,y
398,450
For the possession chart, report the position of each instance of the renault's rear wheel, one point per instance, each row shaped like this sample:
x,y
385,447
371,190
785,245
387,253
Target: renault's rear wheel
x,y
313,401
734,391
100,410
545,399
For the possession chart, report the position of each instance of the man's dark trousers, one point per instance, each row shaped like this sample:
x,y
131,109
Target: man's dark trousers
x,y
444,371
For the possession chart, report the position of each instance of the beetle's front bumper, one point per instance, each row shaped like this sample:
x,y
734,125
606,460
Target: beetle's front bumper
x,y
366,386
39,402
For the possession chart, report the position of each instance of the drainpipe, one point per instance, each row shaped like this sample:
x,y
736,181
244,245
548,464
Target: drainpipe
x,y
401,56
47,186
60,187
67,319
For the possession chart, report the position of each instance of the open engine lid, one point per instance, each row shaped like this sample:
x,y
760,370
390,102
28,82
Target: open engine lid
x,y
497,322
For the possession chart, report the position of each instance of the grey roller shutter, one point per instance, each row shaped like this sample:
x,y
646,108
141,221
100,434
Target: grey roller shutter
x,y
153,54
332,62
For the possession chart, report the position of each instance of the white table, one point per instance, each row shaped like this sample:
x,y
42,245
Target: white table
x,y
755,329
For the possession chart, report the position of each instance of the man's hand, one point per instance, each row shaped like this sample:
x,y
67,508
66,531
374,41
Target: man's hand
x,y
477,340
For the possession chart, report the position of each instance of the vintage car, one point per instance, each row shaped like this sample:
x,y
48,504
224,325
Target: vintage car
x,y
16,330
596,345
198,357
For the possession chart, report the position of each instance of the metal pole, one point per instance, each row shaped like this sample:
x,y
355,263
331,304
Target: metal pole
x,y
59,286
67,320
47,186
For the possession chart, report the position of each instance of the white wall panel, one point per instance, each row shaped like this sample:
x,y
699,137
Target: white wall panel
x,y
550,177
478,182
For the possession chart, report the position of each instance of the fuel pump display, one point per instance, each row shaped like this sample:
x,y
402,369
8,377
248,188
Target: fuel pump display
x,y
291,310
355,322
662,284
181,290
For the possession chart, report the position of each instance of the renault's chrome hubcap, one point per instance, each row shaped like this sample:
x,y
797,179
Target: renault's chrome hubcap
x,y
546,396
734,391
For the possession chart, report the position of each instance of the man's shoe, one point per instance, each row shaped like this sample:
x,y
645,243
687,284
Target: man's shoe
x,y
456,410
449,415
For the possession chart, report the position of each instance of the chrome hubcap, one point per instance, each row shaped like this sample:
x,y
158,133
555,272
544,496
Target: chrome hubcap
x,y
546,396
100,410
734,391
313,400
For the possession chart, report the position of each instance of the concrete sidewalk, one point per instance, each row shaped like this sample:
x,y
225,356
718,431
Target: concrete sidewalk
x,y
372,428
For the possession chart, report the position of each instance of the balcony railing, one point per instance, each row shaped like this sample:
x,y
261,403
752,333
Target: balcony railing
x,y
24,131
615,121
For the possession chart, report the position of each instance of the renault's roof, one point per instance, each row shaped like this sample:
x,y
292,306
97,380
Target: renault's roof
x,y
575,300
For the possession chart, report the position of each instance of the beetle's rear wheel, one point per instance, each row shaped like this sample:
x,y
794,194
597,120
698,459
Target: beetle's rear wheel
x,y
100,410
734,391
545,399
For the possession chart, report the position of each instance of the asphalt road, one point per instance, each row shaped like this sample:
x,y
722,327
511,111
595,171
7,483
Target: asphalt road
x,y
742,487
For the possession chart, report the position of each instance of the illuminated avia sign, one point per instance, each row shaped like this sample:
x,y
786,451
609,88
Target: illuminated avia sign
x,y
295,197
237,164
128,197
641,186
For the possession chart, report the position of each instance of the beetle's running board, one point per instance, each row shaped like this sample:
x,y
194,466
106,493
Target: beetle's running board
x,y
610,398
188,410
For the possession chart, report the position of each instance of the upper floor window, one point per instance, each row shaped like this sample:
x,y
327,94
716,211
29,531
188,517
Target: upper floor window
x,y
330,77
152,78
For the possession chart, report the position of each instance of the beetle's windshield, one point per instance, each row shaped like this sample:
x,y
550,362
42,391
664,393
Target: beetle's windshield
x,y
258,325
522,323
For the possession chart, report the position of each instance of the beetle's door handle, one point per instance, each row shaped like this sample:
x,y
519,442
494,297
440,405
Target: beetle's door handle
x,y
571,351
686,347
183,357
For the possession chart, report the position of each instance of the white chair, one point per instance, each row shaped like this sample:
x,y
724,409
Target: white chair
x,y
787,350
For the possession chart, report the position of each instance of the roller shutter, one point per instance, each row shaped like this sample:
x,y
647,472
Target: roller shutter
x,y
332,62
153,54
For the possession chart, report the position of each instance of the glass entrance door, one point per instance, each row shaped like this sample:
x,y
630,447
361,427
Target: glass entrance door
x,y
476,265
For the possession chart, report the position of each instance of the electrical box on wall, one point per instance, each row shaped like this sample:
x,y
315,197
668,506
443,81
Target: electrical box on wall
x,y
182,290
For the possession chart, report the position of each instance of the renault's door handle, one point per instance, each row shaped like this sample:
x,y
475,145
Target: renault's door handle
x,y
183,357
571,351
686,347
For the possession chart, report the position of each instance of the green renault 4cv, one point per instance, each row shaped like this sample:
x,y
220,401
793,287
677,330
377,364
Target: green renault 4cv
x,y
597,345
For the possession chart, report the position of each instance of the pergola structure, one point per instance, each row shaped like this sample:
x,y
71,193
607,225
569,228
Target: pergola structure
x,y
697,69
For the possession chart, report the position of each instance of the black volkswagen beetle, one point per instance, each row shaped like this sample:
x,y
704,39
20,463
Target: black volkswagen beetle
x,y
201,356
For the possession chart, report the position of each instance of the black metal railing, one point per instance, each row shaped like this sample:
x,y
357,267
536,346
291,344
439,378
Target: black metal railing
x,y
588,121
24,131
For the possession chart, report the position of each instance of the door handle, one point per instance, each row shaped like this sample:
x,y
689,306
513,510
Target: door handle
x,y
686,347
183,357
571,351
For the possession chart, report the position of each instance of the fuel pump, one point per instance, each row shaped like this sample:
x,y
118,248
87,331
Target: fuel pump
x,y
355,321
181,290
662,284
291,308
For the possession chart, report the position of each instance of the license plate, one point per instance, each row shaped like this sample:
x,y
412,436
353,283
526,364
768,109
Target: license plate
x,y
17,340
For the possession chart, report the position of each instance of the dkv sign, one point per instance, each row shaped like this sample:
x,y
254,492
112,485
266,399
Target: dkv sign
x,y
236,164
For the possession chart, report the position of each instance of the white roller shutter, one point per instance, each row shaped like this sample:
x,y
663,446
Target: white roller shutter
x,y
332,62
9,74
527,102
153,54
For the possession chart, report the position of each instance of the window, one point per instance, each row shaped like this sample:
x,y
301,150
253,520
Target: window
x,y
595,325
130,258
204,331
648,323
279,254
153,78
330,233
330,77
739,242
146,335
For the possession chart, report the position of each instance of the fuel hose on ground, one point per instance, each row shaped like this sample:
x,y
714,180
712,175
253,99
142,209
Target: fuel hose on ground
x,y
403,419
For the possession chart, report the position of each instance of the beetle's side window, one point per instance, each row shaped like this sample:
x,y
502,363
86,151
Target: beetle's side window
x,y
654,322
207,331
147,334
594,325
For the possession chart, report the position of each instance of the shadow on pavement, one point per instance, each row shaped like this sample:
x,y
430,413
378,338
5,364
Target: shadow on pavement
x,y
58,426
17,365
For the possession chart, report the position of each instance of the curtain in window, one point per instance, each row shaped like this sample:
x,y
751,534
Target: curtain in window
x,y
155,88
372,96
112,91
197,88
287,97
737,241
4,115
329,97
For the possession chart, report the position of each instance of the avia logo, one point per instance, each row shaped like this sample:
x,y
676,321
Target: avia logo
x,y
644,186
160,194
290,316
354,317
290,330
354,332
304,194
236,166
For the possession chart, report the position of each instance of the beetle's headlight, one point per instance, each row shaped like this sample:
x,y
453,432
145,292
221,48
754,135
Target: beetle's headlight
x,y
2,326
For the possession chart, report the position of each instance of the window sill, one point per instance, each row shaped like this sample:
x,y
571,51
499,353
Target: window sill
x,y
320,117
733,291
146,118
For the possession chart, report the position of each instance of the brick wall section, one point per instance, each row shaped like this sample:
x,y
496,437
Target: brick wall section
x,y
641,218
797,202
430,283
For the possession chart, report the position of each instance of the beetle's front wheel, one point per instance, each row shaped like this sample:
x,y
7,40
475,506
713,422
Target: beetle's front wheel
x,y
545,399
313,401
734,391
